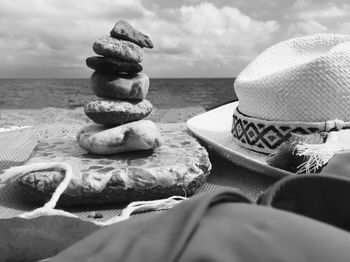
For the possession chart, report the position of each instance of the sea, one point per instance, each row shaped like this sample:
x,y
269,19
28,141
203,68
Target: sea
x,y
207,93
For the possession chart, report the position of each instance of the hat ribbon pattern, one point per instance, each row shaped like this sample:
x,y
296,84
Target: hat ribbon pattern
x,y
266,136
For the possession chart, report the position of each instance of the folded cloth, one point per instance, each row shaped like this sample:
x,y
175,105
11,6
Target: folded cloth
x,y
220,226
322,197
34,239
16,146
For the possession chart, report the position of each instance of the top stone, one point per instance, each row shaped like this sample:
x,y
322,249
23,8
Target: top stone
x,y
118,48
124,30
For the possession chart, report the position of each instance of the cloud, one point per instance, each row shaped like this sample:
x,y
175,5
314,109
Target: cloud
x,y
44,36
330,11
308,9
195,39
308,17
310,27
203,34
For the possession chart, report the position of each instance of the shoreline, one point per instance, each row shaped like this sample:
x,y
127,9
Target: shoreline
x,y
76,116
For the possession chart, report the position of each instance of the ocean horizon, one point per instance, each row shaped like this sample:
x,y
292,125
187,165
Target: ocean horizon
x,y
36,93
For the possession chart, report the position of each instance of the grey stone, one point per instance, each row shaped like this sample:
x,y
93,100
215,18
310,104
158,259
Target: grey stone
x,y
124,30
116,86
116,112
110,64
121,49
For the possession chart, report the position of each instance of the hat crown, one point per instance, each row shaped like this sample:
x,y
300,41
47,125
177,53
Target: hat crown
x,y
301,79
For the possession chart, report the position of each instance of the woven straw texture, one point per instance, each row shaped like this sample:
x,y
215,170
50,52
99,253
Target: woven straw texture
x,y
19,148
301,79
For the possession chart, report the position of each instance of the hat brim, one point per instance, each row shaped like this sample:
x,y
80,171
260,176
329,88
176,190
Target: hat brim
x,y
214,129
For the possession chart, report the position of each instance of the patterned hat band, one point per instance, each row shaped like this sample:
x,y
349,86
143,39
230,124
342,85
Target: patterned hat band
x,y
265,136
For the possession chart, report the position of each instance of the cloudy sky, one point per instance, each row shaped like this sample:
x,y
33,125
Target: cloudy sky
x,y
193,38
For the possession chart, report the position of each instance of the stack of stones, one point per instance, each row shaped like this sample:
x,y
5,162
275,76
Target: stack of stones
x,y
122,90
117,78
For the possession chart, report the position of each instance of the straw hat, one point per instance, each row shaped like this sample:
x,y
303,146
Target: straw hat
x,y
302,86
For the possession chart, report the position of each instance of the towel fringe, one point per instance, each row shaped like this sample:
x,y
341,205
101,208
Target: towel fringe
x,y
317,155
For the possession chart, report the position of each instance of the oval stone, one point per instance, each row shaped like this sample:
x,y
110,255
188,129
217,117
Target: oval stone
x,y
118,48
116,86
110,64
114,112
135,136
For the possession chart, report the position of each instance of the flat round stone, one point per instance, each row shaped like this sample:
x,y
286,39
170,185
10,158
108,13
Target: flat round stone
x,y
180,166
116,86
115,112
110,64
118,48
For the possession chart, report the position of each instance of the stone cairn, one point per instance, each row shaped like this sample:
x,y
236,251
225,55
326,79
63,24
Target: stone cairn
x,y
117,80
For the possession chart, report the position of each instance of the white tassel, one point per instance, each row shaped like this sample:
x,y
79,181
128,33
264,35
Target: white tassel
x,y
12,173
44,211
320,154
49,208
143,206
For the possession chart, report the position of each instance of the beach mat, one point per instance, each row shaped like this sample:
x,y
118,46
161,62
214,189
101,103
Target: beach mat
x,y
224,174
16,145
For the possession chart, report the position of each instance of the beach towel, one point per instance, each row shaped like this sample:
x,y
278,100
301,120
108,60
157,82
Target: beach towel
x,y
14,202
16,145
